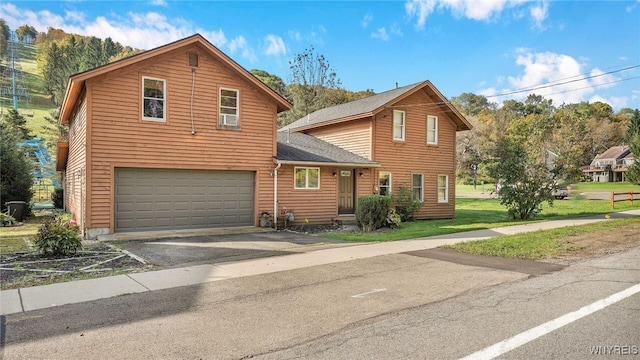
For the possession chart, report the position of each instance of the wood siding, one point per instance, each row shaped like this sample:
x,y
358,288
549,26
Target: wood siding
x,y
120,138
414,155
319,206
354,136
75,174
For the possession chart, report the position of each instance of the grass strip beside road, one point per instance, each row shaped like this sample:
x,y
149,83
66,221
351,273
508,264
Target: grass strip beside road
x,y
542,244
478,214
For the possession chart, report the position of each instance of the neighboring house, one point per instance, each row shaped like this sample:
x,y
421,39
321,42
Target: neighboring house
x,y
611,165
178,137
182,137
408,132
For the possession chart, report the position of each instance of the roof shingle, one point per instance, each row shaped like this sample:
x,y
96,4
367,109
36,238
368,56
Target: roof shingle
x,y
299,147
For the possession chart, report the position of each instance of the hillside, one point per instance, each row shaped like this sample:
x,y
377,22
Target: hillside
x,y
38,106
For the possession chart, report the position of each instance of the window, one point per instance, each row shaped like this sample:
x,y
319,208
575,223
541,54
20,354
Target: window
x,y
228,107
432,129
307,178
416,187
443,188
385,183
398,125
153,99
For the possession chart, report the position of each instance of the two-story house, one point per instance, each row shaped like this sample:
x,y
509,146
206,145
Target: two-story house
x,y
611,165
409,131
183,137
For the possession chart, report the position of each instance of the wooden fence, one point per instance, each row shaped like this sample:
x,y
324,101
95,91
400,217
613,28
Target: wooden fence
x,y
629,197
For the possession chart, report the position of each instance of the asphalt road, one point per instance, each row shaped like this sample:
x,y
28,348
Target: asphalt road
x,y
402,306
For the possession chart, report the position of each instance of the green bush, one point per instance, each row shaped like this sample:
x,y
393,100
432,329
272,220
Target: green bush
x,y
405,205
57,237
394,219
6,220
57,197
372,212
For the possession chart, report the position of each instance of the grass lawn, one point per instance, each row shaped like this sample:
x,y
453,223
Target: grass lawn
x,y
606,187
476,214
542,244
464,189
12,237
38,105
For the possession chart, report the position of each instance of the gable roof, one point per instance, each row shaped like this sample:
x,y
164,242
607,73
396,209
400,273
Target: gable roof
x,y
614,152
76,82
374,104
300,148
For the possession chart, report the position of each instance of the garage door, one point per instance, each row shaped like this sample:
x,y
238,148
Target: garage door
x,y
165,199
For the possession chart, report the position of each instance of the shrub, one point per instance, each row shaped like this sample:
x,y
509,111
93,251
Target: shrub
x,y
405,205
372,212
6,219
57,237
393,218
57,197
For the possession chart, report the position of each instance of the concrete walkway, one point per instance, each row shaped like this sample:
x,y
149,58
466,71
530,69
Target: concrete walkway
x,y
40,297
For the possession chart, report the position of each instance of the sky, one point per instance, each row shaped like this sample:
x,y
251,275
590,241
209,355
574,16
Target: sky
x,y
567,51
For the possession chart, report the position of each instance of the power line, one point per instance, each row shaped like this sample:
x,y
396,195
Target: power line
x,y
590,86
561,82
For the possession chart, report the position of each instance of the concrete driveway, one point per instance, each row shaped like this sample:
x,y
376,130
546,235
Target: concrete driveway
x,y
208,249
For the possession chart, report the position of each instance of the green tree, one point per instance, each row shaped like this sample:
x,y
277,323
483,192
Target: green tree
x,y
273,81
15,167
16,124
109,49
5,36
25,32
471,104
311,76
525,181
92,56
633,139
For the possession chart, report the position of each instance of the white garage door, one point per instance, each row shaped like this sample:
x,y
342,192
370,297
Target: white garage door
x,y
167,199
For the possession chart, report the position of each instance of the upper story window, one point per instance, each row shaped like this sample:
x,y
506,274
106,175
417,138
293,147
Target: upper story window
x,y
398,125
417,187
307,178
432,130
385,183
229,109
154,100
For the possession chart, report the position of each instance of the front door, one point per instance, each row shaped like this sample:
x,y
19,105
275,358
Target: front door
x,y
346,193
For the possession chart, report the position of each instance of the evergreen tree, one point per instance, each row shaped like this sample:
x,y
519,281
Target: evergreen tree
x,y
15,167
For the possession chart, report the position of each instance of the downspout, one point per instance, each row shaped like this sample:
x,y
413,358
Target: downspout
x,y
275,195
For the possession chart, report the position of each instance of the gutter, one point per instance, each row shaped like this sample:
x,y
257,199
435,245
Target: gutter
x,y
320,163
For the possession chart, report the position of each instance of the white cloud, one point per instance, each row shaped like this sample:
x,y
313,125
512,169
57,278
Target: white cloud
x,y
158,3
555,76
240,44
539,13
40,20
367,20
480,10
614,101
138,30
275,45
315,36
381,34
75,16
